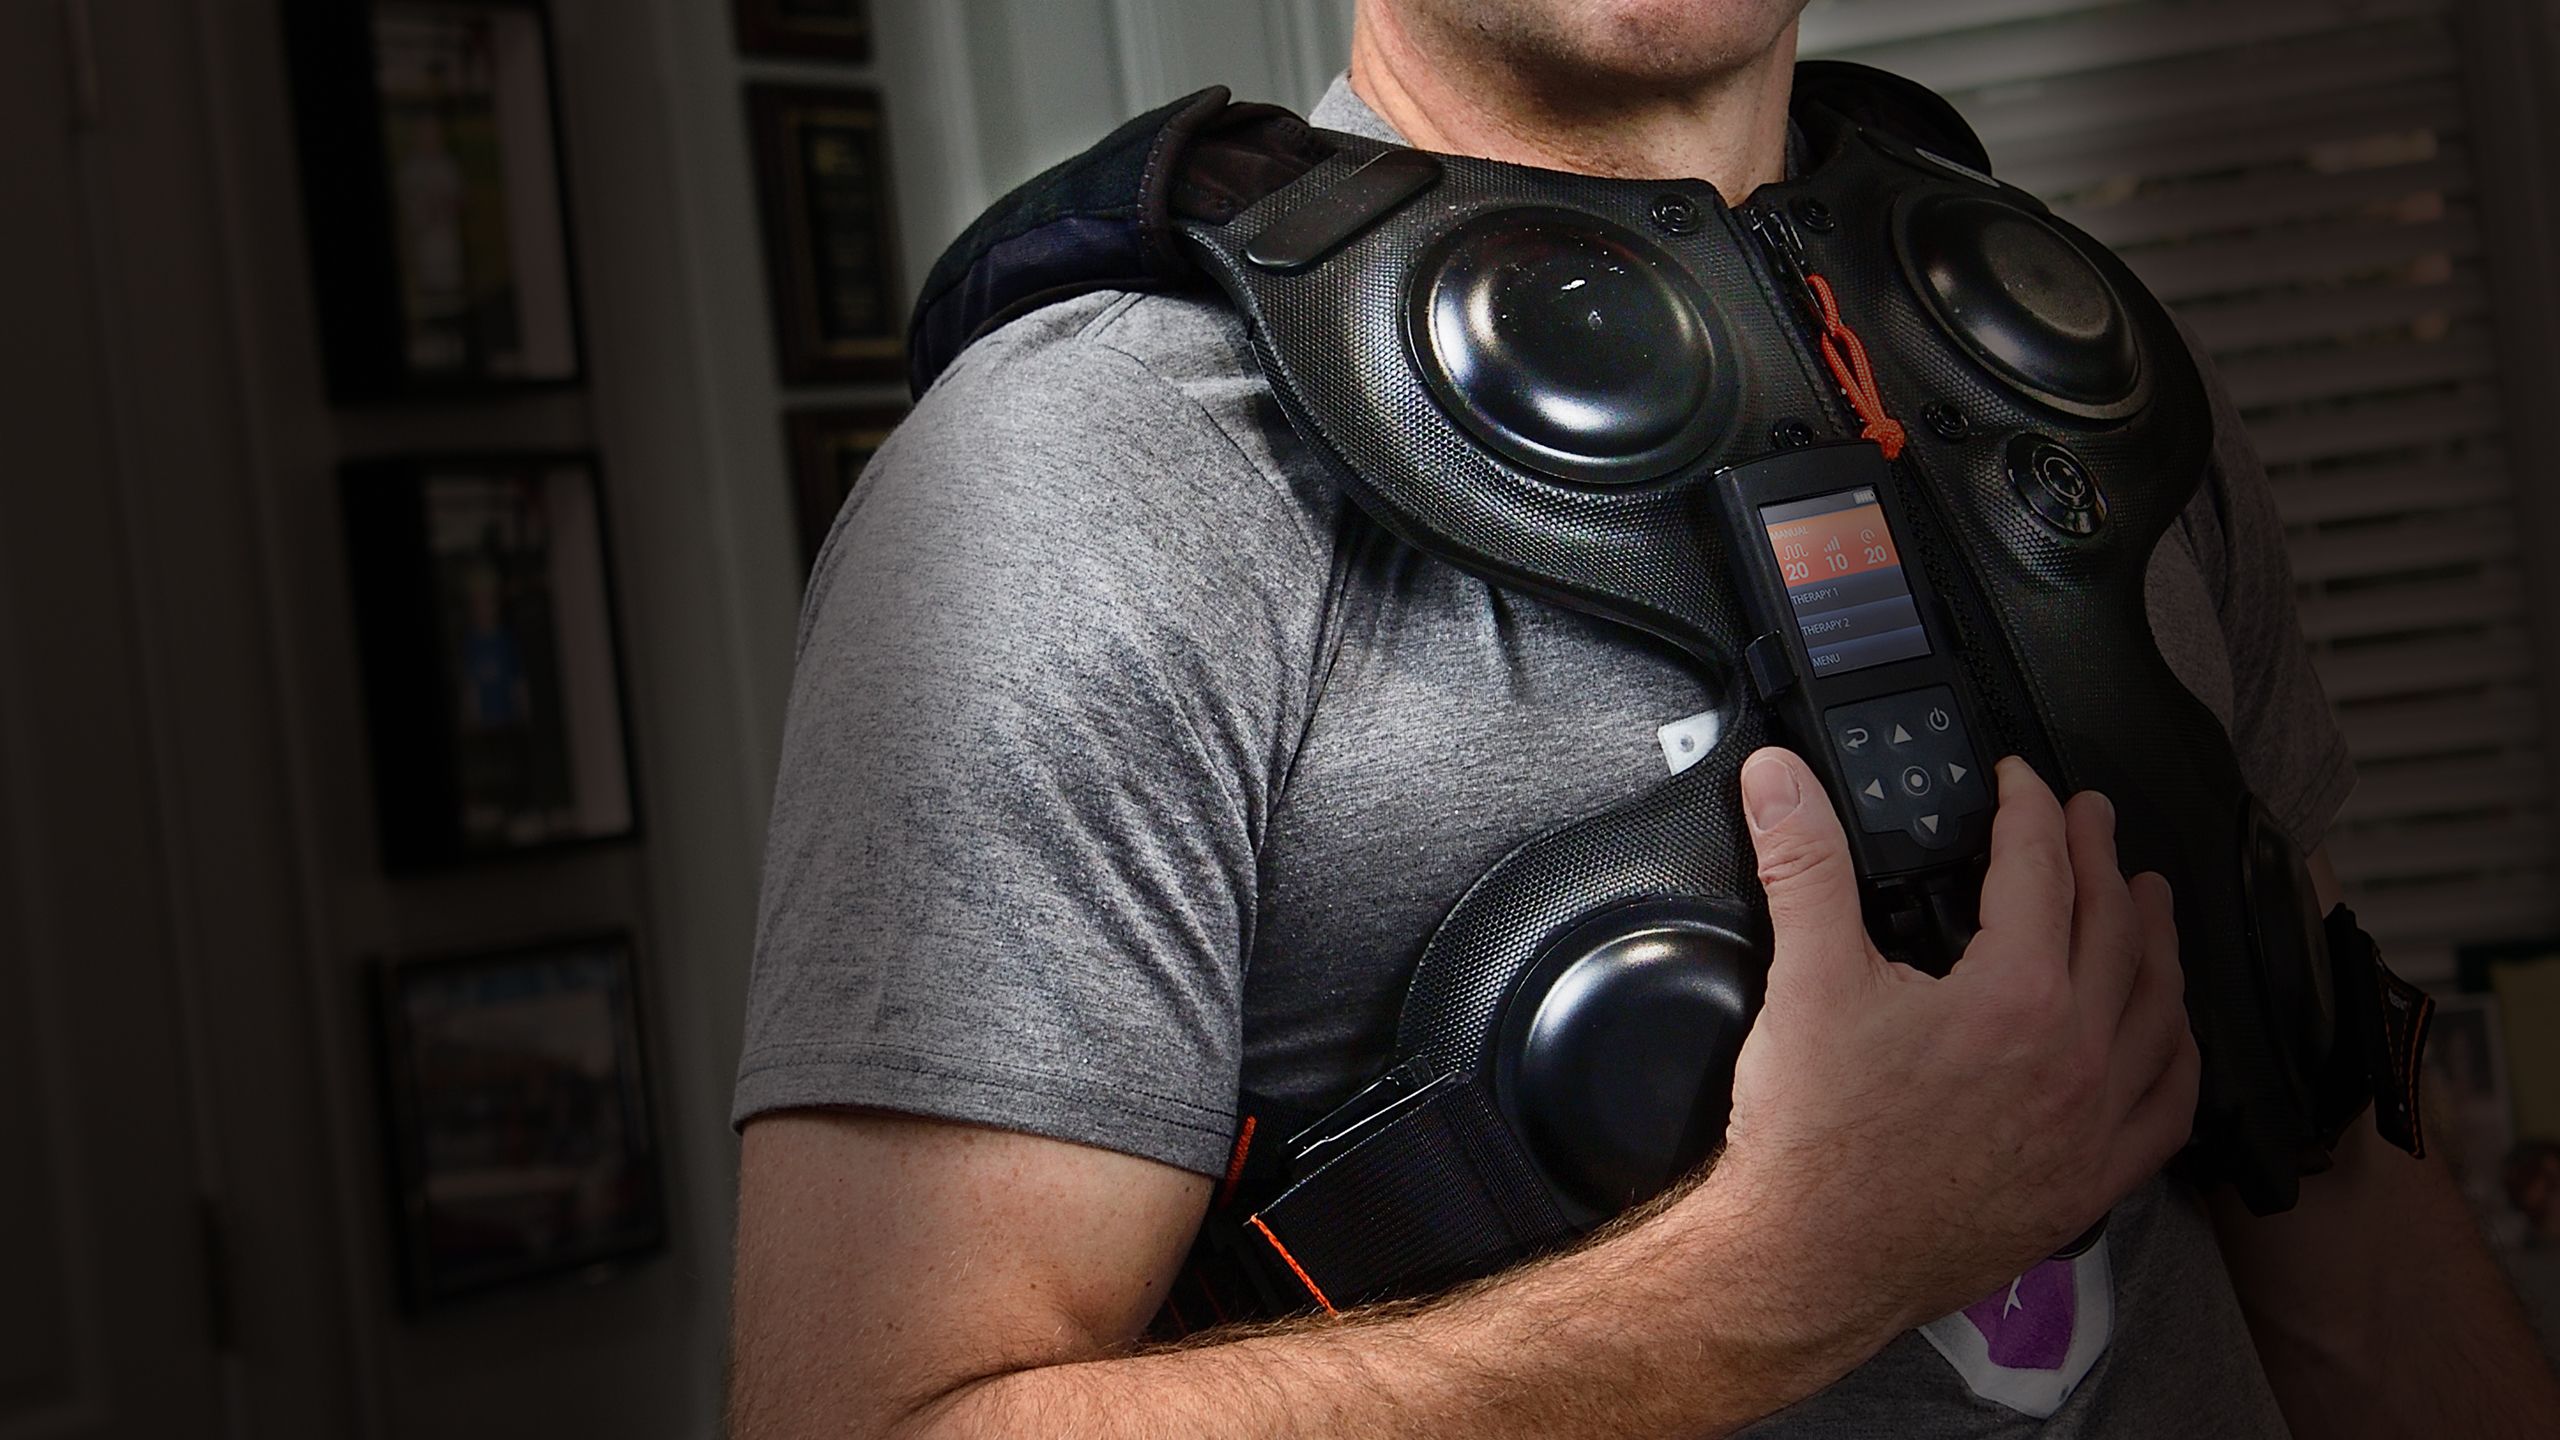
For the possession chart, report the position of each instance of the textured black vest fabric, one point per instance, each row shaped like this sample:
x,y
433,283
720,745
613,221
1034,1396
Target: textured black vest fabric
x,y
2051,624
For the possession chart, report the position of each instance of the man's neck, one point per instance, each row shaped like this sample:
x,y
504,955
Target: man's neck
x,y
1729,130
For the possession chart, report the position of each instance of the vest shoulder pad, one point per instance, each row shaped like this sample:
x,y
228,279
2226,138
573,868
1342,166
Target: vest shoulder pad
x,y
1883,101
1105,219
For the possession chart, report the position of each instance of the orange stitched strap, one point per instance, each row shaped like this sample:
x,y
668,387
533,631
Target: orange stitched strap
x,y
1294,1269
1235,1163
1846,354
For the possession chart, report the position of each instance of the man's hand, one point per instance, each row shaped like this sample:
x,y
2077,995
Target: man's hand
x,y
1901,1145
1925,1140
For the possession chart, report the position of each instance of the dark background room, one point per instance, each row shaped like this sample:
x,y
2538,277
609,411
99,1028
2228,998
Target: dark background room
x,y
421,416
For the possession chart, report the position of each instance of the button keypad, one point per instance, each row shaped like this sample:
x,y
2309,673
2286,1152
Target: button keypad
x,y
1911,767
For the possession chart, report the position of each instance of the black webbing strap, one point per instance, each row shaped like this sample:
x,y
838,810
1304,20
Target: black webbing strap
x,y
2383,1022
1435,1193
1226,1280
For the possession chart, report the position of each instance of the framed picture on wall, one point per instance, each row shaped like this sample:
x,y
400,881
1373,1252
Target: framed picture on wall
x,y
816,29
433,196
517,1119
828,450
822,185
493,680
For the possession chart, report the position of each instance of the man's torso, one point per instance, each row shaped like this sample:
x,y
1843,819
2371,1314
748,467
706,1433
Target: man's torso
x,y
1279,744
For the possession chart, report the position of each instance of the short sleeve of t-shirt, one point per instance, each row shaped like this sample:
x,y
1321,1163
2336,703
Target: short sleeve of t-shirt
x,y
2289,741
1052,664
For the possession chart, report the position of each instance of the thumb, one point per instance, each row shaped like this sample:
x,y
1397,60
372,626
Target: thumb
x,y
1804,867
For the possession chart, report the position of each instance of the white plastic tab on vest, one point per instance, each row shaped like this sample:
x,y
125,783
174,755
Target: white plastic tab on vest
x,y
1686,742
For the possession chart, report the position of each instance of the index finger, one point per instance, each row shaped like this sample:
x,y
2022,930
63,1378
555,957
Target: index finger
x,y
2027,893
2106,933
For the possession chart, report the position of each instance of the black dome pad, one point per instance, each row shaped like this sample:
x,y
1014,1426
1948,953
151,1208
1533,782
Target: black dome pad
x,y
1567,344
2017,293
1615,1057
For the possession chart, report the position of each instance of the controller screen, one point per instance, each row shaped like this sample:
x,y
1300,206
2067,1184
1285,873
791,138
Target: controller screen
x,y
1843,573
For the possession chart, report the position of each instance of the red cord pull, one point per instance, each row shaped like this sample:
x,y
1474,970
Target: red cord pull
x,y
1846,354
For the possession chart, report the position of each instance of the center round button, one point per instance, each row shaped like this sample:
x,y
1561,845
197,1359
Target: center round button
x,y
1569,344
1915,781
2061,473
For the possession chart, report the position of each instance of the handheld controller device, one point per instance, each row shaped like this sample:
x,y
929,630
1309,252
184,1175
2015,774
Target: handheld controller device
x,y
1854,657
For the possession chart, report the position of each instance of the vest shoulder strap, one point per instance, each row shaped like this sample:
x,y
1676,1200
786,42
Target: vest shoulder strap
x,y
1884,102
1107,219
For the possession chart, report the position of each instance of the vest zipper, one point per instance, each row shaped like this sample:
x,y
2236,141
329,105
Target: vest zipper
x,y
1781,246
1780,253
1962,606
1840,349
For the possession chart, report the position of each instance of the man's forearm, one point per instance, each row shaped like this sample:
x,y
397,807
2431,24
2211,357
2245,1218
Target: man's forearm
x,y
2378,1311
2375,1306
1898,1144
1618,1339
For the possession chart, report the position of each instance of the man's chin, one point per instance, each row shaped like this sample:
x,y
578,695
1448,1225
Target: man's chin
x,y
1652,45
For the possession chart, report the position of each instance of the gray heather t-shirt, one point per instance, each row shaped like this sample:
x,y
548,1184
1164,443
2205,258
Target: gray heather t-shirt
x,y
1126,763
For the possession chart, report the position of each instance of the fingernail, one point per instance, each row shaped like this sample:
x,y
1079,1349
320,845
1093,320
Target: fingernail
x,y
2107,805
1770,791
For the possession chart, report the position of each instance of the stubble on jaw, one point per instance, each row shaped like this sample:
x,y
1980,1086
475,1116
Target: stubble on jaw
x,y
1592,55
1625,88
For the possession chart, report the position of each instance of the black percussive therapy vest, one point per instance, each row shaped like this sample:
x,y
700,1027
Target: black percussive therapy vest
x,y
1560,384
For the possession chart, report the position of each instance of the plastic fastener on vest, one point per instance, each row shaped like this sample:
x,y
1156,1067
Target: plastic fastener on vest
x,y
1305,236
1766,659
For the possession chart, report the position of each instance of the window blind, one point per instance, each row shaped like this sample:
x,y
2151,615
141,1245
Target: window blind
x,y
2295,177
